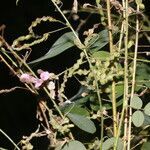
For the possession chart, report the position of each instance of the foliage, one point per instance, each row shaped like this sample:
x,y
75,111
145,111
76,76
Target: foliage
x,y
113,74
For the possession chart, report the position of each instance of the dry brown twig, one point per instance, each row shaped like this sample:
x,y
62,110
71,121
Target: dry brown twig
x,y
11,89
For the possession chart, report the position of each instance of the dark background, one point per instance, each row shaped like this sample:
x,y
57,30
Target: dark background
x,y
18,108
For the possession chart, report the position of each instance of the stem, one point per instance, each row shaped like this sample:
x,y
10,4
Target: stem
x,y
13,71
139,60
9,139
109,27
113,83
99,98
124,113
55,105
114,108
5,53
101,110
133,77
67,22
126,86
121,37
7,64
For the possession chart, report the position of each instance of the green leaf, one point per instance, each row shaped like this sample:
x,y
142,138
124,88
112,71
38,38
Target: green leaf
x,y
109,143
146,146
79,111
119,90
109,106
100,41
143,71
82,122
101,55
94,106
146,120
136,102
65,42
82,101
74,109
138,118
143,74
147,109
74,145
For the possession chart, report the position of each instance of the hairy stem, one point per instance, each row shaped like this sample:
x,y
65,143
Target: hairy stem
x,y
113,83
126,86
133,77
124,114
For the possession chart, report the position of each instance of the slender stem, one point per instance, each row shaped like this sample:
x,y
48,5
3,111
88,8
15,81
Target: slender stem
x,y
20,60
55,105
5,53
124,113
99,99
73,31
67,22
7,64
133,76
13,71
114,106
9,139
101,110
140,60
113,83
109,27
121,37
126,86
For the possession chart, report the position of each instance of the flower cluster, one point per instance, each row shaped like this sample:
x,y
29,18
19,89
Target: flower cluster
x,y
46,78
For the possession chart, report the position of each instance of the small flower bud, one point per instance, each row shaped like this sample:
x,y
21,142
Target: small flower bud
x,y
51,85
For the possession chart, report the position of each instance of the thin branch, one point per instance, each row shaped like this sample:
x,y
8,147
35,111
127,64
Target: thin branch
x,y
113,83
11,89
9,139
133,77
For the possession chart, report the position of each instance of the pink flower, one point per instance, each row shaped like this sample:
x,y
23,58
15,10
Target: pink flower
x,y
26,78
44,75
38,83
